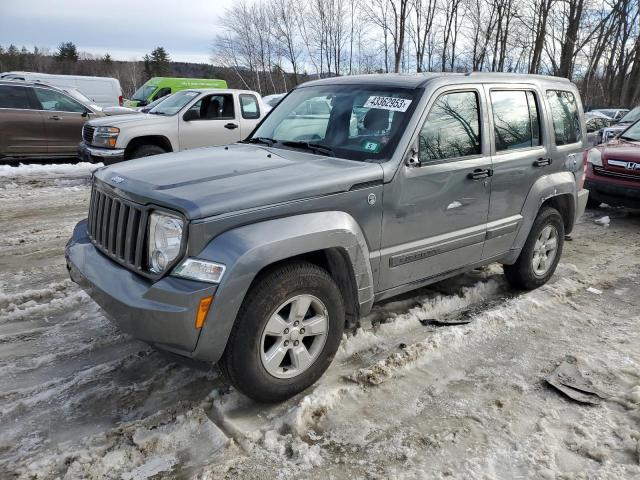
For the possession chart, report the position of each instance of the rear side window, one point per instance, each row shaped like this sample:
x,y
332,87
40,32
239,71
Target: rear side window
x,y
566,121
14,97
452,128
516,122
249,106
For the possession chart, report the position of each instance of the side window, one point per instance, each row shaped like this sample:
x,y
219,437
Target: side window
x,y
516,122
566,120
163,92
14,97
55,101
249,106
214,107
452,128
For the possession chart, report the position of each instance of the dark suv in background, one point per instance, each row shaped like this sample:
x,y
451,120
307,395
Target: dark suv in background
x,y
40,121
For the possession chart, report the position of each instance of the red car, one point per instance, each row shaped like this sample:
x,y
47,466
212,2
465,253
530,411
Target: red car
x,y
613,170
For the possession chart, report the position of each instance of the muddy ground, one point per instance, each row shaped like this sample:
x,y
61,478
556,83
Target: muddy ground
x,y
79,399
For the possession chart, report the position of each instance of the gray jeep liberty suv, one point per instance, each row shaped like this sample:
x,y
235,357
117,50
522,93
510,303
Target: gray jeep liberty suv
x,y
257,255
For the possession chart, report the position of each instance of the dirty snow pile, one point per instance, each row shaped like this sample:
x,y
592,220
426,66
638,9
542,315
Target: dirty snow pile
x,y
445,382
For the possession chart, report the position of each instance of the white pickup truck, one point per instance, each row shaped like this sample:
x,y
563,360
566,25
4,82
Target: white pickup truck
x,y
188,119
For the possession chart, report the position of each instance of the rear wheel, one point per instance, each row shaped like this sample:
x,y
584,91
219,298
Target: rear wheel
x,y
287,332
147,151
541,252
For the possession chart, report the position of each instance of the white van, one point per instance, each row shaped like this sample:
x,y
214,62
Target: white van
x,y
102,91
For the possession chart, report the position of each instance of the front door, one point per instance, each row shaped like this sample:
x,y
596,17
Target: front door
x,y
435,213
211,120
63,119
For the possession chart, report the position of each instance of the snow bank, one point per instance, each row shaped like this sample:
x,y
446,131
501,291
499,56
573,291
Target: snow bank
x,y
33,169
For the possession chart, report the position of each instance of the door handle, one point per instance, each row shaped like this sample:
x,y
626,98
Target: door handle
x,y
54,117
231,126
542,162
480,173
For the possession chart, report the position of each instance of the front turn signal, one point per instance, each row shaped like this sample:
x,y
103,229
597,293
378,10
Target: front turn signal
x,y
203,309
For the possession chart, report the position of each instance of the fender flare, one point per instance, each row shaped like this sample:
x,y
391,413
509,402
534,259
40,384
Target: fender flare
x,y
545,188
248,249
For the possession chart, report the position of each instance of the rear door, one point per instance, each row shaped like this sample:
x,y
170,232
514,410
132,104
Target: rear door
x,y
250,112
519,158
22,129
64,118
213,122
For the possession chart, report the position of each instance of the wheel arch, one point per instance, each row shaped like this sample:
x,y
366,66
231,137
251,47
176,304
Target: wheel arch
x,y
331,240
159,140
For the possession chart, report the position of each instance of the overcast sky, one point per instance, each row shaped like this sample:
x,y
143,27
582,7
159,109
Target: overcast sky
x,y
123,28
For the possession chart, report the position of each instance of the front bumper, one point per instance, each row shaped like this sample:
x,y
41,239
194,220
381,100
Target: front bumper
x,y
583,197
107,156
161,313
612,193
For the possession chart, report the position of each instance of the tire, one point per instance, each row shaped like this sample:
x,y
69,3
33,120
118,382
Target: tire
x,y
244,362
523,274
146,151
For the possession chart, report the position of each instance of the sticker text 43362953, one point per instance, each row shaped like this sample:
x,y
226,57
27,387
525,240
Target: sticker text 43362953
x,y
388,103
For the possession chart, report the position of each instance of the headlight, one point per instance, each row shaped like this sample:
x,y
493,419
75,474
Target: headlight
x,y
595,157
202,270
165,239
106,137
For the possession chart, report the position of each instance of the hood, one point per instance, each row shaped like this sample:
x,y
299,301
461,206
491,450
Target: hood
x,y
620,149
212,181
119,120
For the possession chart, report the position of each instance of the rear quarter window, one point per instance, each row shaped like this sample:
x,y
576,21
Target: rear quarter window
x,y
14,97
566,119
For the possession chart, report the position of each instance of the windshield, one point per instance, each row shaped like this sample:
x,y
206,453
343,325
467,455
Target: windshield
x,y
348,121
144,92
632,133
632,116
174,103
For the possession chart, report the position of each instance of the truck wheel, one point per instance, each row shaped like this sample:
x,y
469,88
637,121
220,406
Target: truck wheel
x,y
541,253
147,151
286,334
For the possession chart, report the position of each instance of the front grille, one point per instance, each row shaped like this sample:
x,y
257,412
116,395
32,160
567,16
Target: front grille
x,y
611,173
118,228
87,133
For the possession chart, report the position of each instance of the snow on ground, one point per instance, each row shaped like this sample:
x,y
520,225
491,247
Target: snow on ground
x,y
79,399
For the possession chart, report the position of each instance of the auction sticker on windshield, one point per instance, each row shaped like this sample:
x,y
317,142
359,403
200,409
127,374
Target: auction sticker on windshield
x,y
388,103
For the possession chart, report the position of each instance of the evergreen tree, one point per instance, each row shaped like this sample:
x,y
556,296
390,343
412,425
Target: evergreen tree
x,y
67,51
157,64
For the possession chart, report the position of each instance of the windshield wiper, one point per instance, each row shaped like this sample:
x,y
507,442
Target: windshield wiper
x,y
156,113
314,147
264,140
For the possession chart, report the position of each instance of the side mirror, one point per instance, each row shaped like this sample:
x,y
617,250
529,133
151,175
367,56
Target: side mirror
x,y
190,115
86,113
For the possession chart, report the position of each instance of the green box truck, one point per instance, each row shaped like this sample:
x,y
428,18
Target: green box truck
x,y
158,87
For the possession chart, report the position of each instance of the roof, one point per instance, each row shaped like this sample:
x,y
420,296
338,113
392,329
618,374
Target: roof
x,y
415,80
29,83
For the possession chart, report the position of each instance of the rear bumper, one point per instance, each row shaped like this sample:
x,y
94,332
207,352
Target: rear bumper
x,y
612,193
161,313
107,156
583,196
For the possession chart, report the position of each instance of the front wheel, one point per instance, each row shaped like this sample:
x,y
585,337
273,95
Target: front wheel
x,y
286,334
147,151
541,252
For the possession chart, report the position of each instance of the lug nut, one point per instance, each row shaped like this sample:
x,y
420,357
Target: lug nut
x,y
286,343
296,323
286,330
295,344
302,330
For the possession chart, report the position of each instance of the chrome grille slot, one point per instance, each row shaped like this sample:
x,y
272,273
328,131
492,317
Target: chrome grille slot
x,y
117,227
611,173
